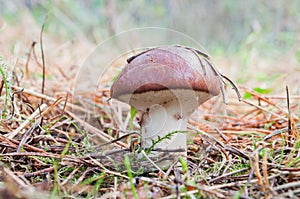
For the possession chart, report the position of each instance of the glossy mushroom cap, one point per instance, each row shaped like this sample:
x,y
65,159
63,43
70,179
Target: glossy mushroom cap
x,y
157,75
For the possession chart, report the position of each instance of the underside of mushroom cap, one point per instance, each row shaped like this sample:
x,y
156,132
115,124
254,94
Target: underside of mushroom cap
x,y
188,99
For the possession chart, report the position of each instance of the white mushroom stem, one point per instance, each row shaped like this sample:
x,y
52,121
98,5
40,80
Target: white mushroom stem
x,y
161,120
164,112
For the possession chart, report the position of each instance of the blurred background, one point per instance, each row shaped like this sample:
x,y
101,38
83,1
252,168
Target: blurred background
x,y
254,42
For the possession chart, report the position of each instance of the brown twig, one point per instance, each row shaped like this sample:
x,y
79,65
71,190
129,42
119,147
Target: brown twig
x,y
289,110
38,154
227,174
27,121
1,86
233,86
70,176
95,131
40,172
13,103
255,166
43,57
287,185
265,99
26,135
28,59
266,175
52,99
14,143
263,109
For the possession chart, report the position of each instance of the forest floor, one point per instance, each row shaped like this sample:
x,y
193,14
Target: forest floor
x,y
71,142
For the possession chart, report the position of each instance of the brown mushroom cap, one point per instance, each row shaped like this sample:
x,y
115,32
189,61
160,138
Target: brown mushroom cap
x,y
166,68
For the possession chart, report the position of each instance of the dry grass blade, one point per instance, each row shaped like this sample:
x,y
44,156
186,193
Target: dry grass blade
x,y
38,154
1,86
28,59
262,108
51,99
27,121
91,129
265,99
26,135
40,172
43,57
280,131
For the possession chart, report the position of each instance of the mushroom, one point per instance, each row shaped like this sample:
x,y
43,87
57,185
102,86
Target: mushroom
x,y
166,85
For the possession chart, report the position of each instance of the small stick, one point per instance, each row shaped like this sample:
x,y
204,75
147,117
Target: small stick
x,y
155,165
65,104
227,174
238,131
13,143
199,59
289,110
43,57
265,173
62,72
70,176
108,171
233,86
185,194
40,172
27,121
96,131
118,139
28,59
279,131
217,73
224,137
36,58
261,108
28,132
52,99
254,161
1,86
240,183
287,185
263,98
30,154
169,170
283,98
82,176
13,104
135,56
